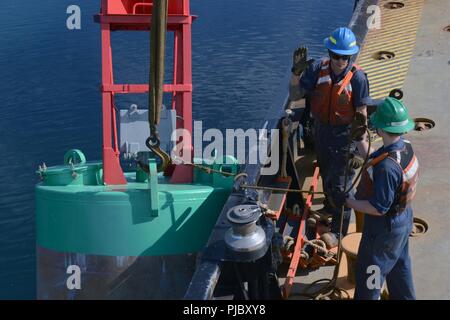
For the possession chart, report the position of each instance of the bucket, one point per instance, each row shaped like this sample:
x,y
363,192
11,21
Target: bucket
x,y
350,245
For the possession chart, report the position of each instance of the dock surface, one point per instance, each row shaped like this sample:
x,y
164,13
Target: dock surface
x,y
417,35
427,94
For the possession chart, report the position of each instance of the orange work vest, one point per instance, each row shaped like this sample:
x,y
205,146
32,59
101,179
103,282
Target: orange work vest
x,y
409,165
333,103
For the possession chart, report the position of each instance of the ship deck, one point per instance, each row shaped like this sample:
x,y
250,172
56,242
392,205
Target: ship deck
x,y
416,35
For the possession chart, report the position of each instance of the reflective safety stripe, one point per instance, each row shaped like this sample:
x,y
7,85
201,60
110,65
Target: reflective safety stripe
x,y
332,39
398,157
324,79
352,44
412,168
349,87
325,64
370,172
399,124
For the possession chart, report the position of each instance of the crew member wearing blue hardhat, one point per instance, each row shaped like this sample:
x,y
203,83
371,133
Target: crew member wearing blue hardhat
x,y
385,193
338,89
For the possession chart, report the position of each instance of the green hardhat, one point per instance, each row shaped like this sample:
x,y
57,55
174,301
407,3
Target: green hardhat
x,y
392,116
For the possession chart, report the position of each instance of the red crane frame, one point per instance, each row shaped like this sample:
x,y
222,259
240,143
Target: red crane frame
x,y
135,15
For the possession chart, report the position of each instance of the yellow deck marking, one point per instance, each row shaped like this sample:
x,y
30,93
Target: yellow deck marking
x,y
398,35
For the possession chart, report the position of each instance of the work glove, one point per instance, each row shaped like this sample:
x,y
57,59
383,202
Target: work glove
x,y
355,162
299,62
338,199
358,127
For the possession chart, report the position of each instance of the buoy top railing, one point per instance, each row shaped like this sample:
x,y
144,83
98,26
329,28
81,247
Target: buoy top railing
x,y
136,15
142,7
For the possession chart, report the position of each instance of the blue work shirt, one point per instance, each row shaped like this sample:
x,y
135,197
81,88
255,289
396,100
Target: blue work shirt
x,y
387,178
359,82
384,241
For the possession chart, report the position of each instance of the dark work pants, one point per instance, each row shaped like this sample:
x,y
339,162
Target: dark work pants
x,y
383,252
331,143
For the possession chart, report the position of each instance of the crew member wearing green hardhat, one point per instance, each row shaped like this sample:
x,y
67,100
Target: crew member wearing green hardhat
x,y
336,89
387,187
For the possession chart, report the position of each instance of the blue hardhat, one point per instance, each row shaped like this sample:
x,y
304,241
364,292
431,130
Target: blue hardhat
x,y
342,41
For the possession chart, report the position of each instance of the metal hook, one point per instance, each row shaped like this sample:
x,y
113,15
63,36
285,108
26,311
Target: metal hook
x,y
153,143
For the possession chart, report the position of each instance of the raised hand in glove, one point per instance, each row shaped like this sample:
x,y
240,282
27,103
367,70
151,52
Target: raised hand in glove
x,y
299,60
359,126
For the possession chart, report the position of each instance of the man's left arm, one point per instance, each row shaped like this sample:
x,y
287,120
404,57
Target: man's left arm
x,y
360,85
386,179
363,206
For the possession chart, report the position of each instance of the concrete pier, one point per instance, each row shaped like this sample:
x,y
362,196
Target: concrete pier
x,y
427,94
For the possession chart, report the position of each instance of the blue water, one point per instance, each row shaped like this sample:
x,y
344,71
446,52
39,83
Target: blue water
x,y
50,100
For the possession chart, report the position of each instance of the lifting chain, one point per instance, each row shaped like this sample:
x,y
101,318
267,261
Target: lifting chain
x,y
208,170
246,186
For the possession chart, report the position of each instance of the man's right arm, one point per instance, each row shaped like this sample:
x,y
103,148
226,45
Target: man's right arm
x,y
305,82
296,92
